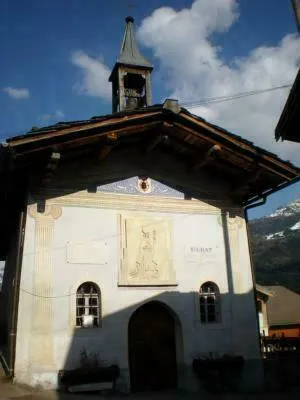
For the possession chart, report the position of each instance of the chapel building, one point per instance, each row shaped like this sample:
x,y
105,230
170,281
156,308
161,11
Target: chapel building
x,y
126,240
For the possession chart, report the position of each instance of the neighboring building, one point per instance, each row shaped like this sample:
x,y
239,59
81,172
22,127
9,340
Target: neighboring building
x,y
262,298
278,311
283,312
288,127
126,238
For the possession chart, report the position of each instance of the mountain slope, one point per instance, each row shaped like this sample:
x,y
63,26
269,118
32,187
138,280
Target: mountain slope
x,y
276,247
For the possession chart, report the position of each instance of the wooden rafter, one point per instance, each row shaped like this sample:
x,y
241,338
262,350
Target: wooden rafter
x,y
208,157
110,142
50,169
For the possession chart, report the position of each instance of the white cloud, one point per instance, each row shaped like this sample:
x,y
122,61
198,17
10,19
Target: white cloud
x,y
95,76
59,114
193,69
205,112
50,117
17,93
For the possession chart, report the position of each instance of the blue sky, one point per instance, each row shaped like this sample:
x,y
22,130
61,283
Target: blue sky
x,y
39,39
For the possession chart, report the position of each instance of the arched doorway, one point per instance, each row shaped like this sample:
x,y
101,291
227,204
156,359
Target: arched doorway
x,y
152,348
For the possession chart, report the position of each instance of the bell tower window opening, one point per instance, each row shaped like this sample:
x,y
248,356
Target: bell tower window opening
x,y
134,90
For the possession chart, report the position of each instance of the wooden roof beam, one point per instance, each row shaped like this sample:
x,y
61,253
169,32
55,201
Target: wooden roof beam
x,y
91,139
209,156
245,181
247,184
110,142
155,142
50,169
264,159
84,128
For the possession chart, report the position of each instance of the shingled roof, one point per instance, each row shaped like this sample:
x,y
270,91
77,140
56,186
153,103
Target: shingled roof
x,y
283,306
191,138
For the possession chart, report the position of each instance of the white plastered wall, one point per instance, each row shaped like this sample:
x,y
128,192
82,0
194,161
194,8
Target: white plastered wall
x,y
47,338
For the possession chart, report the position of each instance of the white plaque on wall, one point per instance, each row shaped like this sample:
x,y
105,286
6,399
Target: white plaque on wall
x,y
96,252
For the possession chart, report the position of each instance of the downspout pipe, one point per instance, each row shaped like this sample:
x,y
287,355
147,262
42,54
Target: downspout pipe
x,y
259,203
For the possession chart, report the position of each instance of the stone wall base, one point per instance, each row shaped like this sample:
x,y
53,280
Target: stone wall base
x,y
251,380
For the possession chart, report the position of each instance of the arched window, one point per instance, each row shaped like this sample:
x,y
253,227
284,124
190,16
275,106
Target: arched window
x,y
209,297
88,305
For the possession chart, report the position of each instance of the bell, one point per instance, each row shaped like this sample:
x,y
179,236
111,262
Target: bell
x,y
131,103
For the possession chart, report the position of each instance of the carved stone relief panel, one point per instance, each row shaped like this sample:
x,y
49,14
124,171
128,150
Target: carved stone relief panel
x,y
146,252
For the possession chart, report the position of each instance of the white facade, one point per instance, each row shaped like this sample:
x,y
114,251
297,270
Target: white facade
x,y
82,237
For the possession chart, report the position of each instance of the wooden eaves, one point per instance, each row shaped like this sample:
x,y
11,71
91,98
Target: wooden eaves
x,y
288,126
252,170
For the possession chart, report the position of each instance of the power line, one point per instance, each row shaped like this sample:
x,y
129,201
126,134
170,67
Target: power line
x,y
221,99
48,297
217,99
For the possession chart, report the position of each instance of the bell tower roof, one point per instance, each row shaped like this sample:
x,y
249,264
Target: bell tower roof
x,y
130,76
130,54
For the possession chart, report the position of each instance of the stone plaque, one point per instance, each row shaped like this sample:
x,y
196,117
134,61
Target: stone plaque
x,y
87,253
146,253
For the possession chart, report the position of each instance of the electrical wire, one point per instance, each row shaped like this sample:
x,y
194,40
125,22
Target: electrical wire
x,y
221,99
47,297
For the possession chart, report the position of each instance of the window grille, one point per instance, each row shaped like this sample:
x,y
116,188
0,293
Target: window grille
x,y
88,305
209,298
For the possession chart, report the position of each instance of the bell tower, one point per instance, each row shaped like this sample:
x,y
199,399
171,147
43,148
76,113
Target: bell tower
x,y
130,77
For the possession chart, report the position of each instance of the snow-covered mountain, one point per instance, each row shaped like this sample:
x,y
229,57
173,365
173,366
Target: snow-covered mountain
x,y
276,246
288,210
280,223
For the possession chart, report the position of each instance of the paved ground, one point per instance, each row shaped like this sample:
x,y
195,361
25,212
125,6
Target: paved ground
x,y
16,392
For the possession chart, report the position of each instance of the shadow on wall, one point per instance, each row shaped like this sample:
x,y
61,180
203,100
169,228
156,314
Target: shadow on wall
x,y
153,341
148,346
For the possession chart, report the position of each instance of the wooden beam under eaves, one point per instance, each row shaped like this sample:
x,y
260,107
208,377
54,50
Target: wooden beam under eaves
x,y
155,142
50,169
206,158
110,142
243,184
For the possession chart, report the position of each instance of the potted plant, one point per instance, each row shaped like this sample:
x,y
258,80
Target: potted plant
x,y
90,371
219,374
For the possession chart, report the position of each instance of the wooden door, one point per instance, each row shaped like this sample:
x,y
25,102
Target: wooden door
x,y
152,349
